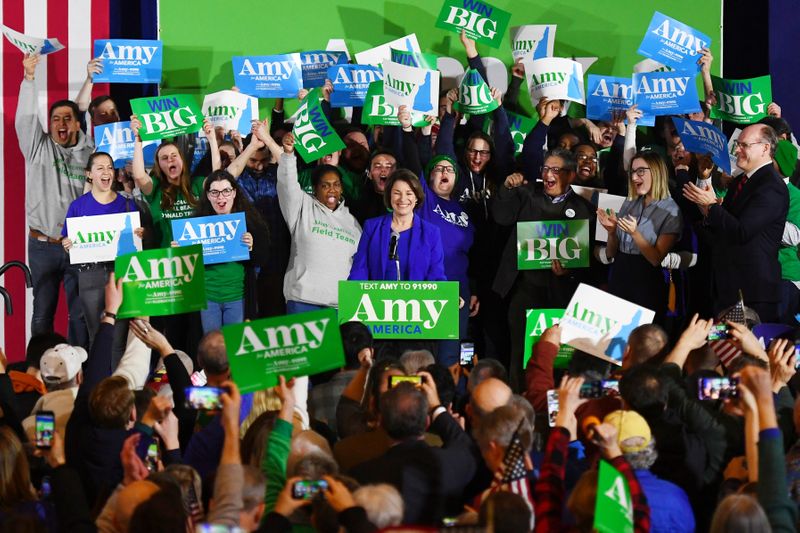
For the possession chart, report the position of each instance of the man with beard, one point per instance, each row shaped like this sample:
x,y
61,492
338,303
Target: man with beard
x,y
370,204
55,177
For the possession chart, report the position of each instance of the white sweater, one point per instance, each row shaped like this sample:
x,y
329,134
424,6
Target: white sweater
x,y
323,241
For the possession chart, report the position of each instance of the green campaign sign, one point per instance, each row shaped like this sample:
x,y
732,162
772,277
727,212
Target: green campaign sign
x,y
542,241
414,59
613,511
482,22
402,309
536,321
742,101
290,345
377,112
474,96
165,281
314,136
167,116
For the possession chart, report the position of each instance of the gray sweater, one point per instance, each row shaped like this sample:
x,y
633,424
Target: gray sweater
x,y
323,241
55,175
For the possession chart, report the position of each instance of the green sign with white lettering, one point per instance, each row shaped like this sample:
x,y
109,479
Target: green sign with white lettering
x,y
613,511
482,22
742,101
164,281
402,309
536,321
167,116
541,242
289,346
314,137
377,112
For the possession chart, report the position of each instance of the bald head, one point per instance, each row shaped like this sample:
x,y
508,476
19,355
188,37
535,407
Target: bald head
x,y
488,396
129,498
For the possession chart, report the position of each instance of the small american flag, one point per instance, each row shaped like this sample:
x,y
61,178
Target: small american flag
x,y
514,458
724,348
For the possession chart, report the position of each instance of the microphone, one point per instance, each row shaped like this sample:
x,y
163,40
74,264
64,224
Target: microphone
x,y
588,424
393,245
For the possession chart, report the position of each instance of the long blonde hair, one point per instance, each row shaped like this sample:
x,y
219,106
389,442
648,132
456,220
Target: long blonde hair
x,y
659,188
15,480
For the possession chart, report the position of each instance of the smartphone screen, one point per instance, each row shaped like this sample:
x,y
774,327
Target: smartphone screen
x,y
151,459
591,389
203,398
467,354
717,388
718,332
610,387
414,380
552,407
45,426
307,489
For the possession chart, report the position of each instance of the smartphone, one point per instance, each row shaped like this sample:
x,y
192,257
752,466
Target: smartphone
x,y
45,426
552,407
610,387
599,389
467,354
414,380
151,459
717,388
203,398
217,528
719,332
307,489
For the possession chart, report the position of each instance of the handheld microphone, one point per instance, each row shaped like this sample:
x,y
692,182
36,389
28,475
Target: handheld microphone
x,y
393,245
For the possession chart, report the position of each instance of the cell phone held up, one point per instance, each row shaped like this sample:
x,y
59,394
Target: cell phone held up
x,y
308,489
717,388
396,380
45,426
467,355
203,398
599,389
719,332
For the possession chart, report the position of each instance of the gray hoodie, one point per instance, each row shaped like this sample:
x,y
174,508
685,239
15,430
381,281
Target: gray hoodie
x,y
323,241
55,175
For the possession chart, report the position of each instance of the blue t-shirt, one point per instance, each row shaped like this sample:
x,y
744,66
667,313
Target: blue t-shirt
x,y
86,206
403,251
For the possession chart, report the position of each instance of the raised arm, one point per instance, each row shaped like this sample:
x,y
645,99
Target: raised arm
x,y
26,122
84,97
290,193
238,165
213,144
532,149
140,176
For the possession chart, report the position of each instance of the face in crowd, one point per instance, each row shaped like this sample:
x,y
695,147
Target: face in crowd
x,y
641,177
221,195
380,169
105,113
101,173
568,141
329,190
443,179
170,163
64,126
607,134
555,177
404,199
587,162
677,152
258,162
478,155
752,150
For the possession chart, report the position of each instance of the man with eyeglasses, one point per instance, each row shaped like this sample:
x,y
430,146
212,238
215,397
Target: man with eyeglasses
x,y
746,229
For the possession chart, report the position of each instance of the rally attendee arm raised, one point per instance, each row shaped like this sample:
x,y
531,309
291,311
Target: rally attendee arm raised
x,y
408,143
633,115
140,175
29,129
511,98
504,147
539,372
447,128
213,144
84,96
508,201
230,476
238,165
532,156
289,191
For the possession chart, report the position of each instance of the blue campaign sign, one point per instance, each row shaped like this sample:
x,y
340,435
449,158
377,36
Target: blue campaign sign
x,y
278,76
117,140
315,66
703,138
673,43
351,82
220,235
129,60
665,93
606,94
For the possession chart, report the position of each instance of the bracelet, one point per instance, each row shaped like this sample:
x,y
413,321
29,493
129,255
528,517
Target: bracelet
x,y
106,314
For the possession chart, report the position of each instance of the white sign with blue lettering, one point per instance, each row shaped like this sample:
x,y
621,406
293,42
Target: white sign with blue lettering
x,y
417,88
555,78
101,238
231,110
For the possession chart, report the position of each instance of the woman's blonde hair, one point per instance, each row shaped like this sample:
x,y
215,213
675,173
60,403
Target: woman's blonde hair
x,y
659,189
15,481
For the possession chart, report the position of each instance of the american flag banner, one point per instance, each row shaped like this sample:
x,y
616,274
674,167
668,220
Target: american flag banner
x,y
724,348
76,24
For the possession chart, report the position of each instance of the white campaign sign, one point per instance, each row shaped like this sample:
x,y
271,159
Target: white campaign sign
x,y
231,110
31,45
101,238
599,323
650,65
376,56
532,41
555,78
606,201
588,193
417,88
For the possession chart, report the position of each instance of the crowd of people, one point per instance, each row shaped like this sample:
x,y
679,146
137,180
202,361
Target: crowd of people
x,y
405,433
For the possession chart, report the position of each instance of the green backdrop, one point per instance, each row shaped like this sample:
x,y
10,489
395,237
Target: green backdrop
x,y
201,36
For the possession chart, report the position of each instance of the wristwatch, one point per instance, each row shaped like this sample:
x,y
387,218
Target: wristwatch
x,y
106,314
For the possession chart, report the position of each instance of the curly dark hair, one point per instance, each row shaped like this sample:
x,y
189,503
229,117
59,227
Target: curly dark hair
x,y
240,203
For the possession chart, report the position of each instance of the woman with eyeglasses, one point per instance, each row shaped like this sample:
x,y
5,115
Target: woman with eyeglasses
x,y
230,287
646,228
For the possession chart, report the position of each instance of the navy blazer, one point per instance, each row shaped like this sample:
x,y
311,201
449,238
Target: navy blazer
x,y
747,232
427,256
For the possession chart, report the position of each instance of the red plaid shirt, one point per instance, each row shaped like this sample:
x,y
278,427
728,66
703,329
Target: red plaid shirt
x,y
549,489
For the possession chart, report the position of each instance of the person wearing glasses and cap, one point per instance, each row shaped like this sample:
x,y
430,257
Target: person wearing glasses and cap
x,y
746,228
646,228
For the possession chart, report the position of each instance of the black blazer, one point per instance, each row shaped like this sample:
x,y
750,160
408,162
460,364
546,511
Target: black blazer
x,y
747,232
431,480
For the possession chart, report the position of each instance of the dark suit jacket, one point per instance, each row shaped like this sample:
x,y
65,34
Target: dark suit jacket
x,y
747,233
430,480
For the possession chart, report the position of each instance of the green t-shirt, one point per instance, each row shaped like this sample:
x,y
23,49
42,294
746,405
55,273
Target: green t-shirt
x,y
787,255
225,282
162,220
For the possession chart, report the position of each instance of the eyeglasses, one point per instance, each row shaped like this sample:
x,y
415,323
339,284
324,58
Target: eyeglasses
x,y
641,171
555,170
586,157
226,192
443,169
482,153
745,146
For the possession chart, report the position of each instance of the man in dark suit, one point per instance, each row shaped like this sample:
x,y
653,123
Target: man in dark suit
x,y
747,227
431,480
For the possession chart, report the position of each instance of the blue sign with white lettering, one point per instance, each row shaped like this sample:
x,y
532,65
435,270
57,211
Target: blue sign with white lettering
x,y
665,93
703,138
606,94
351,82
278,76
673,43
129,61
220,235
117,140
315,66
